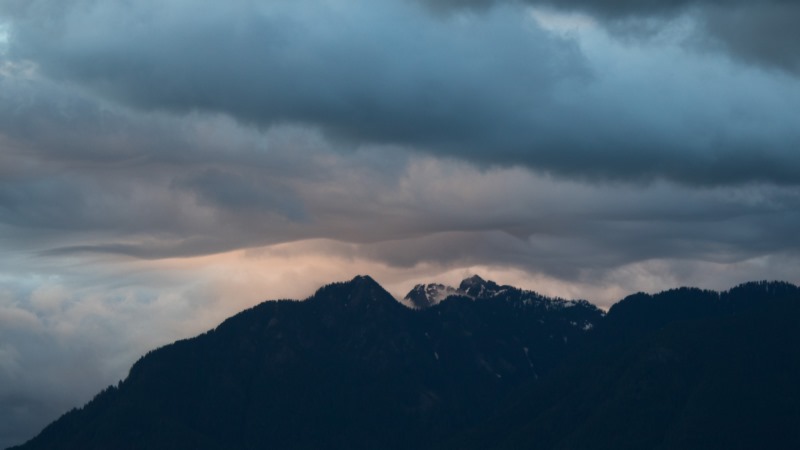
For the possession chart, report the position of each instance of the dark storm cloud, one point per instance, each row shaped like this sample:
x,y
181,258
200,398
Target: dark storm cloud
x,y
74,166
553,244
243,193
155,184
491,87
612,8
158,187
762,32
348,72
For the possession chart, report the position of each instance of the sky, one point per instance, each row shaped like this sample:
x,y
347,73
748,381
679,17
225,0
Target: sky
x,y
165,164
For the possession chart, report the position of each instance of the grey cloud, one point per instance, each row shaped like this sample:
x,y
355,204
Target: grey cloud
x,y
492,87
763,33
21,418
150,249
37,202
609,8
59,123
207,185
39,380
336,68
217,186
516,221
596,248
65,333
237,191
76,167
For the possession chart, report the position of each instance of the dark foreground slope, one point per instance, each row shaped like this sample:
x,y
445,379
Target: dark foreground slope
x,y
488,367
349,368
684,369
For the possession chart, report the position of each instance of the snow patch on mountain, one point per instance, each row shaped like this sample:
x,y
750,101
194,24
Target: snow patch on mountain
x,y
427,295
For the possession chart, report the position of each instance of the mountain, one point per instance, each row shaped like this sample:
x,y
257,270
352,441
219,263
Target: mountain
x,y
483,367
349,367
427,295
683,369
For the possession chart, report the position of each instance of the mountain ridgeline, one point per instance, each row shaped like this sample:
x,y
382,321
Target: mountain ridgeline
x,y
480,366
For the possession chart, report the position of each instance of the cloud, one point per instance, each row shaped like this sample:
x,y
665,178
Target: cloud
x,y
493,87
100,178
168,164
608,8
340,66
761,33
152,186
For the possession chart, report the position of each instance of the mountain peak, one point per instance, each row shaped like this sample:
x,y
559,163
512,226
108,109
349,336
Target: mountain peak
x,y
476,287
364,280
360,291
426,295
475,279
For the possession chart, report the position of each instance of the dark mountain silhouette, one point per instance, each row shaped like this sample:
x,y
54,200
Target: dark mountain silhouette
x,y
349,367
482,366
684,369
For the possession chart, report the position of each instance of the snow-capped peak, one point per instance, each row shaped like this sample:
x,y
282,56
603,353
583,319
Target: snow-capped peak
x,y
477,287
427,295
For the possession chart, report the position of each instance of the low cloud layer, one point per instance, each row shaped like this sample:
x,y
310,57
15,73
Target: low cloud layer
x,y
164,165
205,184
